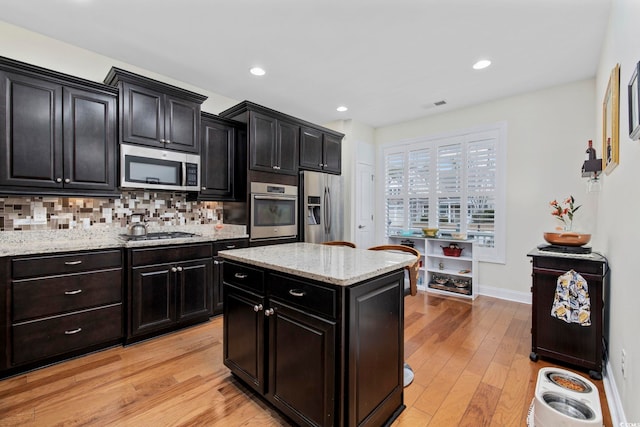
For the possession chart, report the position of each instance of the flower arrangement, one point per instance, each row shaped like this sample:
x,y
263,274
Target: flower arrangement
x,y
564,211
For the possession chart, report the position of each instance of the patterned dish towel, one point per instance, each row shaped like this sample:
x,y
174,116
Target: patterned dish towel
x,y
571,302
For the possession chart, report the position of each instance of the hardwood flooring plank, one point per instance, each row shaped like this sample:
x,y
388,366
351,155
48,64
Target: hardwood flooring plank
x,y
481,407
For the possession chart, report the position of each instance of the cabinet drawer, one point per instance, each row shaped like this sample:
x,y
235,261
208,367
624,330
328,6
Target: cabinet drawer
x,y
63,264
165,254
58,335
223,245
243,276
565,264
58,294
305,295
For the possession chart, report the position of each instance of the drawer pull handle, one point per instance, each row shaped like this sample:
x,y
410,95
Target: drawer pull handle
x,y
240,276
257,308
76,292
296,292
231,246
72,262
73,331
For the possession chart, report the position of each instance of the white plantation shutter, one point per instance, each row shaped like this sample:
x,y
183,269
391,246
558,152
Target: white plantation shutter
x,y
449,178
394,193
455,183
418,188
481,191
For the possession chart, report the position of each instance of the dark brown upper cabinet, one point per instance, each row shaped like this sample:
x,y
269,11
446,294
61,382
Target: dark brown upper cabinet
x,y
320,150
283,144
59,132
273,138
156,114
273,144
221,160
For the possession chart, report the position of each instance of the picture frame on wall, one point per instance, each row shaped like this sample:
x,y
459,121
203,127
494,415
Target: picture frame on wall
x,y
611,122
633,90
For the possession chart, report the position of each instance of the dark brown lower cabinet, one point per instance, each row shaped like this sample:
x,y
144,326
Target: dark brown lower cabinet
x,y
62,305
323,355
169,288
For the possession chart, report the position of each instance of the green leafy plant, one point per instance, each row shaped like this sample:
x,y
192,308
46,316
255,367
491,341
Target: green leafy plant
x,y
564,211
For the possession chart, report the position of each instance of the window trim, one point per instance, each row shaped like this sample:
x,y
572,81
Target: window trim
x,y
497,254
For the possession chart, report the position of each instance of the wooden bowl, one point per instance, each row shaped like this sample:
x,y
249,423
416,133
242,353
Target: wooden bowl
x,y
567,238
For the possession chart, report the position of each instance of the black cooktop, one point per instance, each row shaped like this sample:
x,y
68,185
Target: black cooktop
x,y
159,236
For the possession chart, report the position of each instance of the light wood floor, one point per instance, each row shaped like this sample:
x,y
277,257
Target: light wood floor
x,y
470,360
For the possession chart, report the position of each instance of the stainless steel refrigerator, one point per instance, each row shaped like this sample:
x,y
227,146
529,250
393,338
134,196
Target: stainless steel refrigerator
x,y
321,216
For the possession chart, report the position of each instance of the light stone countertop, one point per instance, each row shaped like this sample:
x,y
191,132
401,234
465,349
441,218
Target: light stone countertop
x,y
15,243
338,265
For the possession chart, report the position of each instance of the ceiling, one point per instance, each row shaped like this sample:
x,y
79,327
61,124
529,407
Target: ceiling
x,y
387,61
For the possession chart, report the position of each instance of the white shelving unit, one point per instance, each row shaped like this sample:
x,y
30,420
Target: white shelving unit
x,y
442,274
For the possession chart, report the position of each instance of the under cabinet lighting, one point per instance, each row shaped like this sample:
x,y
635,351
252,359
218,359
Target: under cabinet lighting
x,y
257,71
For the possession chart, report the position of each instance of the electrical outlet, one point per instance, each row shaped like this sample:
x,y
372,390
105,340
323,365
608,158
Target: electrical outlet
x,y
623,362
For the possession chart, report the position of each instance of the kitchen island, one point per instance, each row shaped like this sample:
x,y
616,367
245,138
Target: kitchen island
x,y
318,330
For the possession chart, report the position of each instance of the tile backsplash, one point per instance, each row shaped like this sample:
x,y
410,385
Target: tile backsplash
x,y
52,213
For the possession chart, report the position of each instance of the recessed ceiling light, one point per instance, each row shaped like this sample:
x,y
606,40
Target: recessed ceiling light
x,y
342,108
483,63
257,71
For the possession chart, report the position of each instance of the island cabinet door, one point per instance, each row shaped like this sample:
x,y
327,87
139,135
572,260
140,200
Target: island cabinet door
x,y
244,335
302,365
375,350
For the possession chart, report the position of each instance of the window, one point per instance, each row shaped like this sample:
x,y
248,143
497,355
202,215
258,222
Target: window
x,y
454,182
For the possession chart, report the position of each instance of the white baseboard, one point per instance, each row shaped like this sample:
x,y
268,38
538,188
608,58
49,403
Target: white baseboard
x,y
618,417
490,291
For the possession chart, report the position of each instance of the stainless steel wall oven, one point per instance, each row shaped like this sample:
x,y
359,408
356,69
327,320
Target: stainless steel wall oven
x,y
274,211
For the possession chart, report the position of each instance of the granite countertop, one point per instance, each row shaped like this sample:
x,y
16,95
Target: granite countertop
x,y
15,243
337,265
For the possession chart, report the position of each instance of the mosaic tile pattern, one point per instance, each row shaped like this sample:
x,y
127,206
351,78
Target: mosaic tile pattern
x,y
19,213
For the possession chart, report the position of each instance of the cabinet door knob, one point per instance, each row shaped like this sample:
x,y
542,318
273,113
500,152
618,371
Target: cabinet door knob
x,y
325,165
58,179
257,308
269,312
179,268
162,140
173,269
203,188
167,142
320,164
67,180
72,331
74,292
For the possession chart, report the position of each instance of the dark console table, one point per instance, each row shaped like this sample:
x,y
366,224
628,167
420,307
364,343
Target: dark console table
x,y
575,344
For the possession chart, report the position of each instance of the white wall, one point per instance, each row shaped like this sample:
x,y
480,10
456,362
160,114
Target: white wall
x,y
547,134
32,48
619,207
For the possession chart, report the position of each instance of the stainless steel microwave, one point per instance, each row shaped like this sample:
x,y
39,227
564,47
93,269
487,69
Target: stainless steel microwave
x,y
156,169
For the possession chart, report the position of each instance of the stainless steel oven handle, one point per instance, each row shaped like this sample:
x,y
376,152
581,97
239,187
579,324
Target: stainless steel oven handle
x,y
184,172
275,197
